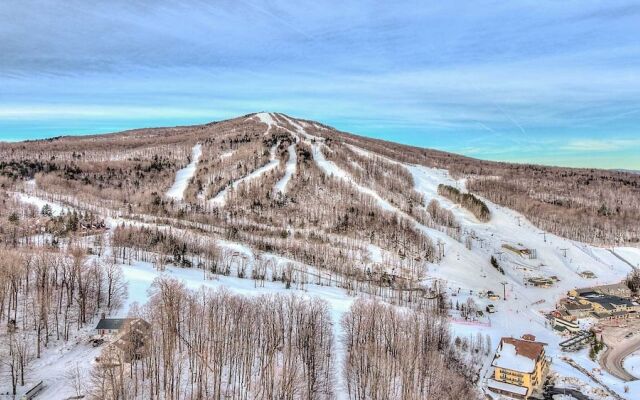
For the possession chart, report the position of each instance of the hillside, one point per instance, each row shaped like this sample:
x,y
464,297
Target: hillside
x,y
267,204
594,206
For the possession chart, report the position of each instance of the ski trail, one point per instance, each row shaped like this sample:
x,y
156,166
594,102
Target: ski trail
x,y
267,118
290,169
201,195
300,130
185,174
220,198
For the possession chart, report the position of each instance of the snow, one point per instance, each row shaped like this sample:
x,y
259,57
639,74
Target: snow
x,y
467,273
56,208
290,169
141,275
220,198
267,118
632,364
330,168
507,387
184,175
301,131
227,154
630,254
508,358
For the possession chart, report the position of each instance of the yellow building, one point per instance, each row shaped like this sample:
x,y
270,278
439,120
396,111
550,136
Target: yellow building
x,y
520,365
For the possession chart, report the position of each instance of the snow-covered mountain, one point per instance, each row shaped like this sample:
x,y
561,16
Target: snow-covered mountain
x,y
351,217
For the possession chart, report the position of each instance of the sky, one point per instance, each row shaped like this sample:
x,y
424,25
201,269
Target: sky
x,y
551,82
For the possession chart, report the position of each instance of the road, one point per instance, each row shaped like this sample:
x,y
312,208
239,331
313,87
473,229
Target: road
x,y
619,347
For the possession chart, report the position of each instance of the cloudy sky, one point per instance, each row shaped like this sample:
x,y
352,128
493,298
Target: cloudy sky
x,y
554,82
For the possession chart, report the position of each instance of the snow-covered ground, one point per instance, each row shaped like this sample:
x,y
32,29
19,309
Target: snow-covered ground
x,y
632,364
290,169
220,198
468,273
267,118
56,209
141,275
184,175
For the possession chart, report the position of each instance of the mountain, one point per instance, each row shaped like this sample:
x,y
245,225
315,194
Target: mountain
x,y
267,203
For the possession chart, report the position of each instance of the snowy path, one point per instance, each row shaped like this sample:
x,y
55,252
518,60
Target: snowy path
x,y
267,118
290,169
56,209
184,175
220,198
301,131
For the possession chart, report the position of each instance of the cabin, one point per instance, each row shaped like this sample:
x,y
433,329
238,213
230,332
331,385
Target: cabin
x,y
519,367
110,326
131,339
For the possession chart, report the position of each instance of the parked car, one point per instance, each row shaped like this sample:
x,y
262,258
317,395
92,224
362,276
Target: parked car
x,y
491,309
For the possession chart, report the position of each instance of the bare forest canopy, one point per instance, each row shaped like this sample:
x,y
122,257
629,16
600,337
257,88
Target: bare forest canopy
x,y
132,170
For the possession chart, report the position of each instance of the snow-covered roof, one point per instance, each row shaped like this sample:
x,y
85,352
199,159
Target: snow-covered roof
x,y
518,355
507,387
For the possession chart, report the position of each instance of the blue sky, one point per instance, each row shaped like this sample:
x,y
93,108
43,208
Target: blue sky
x,y
553,82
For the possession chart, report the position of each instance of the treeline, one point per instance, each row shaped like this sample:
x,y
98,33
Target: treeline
x,y
46,297
400,354
585,204
139,242
589,207
327,204
441,215
390,180
214,344
467,200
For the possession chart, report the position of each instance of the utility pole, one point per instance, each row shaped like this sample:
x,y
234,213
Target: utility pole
x,y
564,252
504,290
544,234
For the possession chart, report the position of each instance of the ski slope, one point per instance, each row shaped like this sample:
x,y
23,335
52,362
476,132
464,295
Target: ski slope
x,y
56,208
184,175
468,272
220,199
267,118
290,169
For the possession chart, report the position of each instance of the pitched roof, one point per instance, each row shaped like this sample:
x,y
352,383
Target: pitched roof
x,y
518,355
111,323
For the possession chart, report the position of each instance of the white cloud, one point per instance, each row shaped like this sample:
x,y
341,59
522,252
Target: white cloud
x,y
598,145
